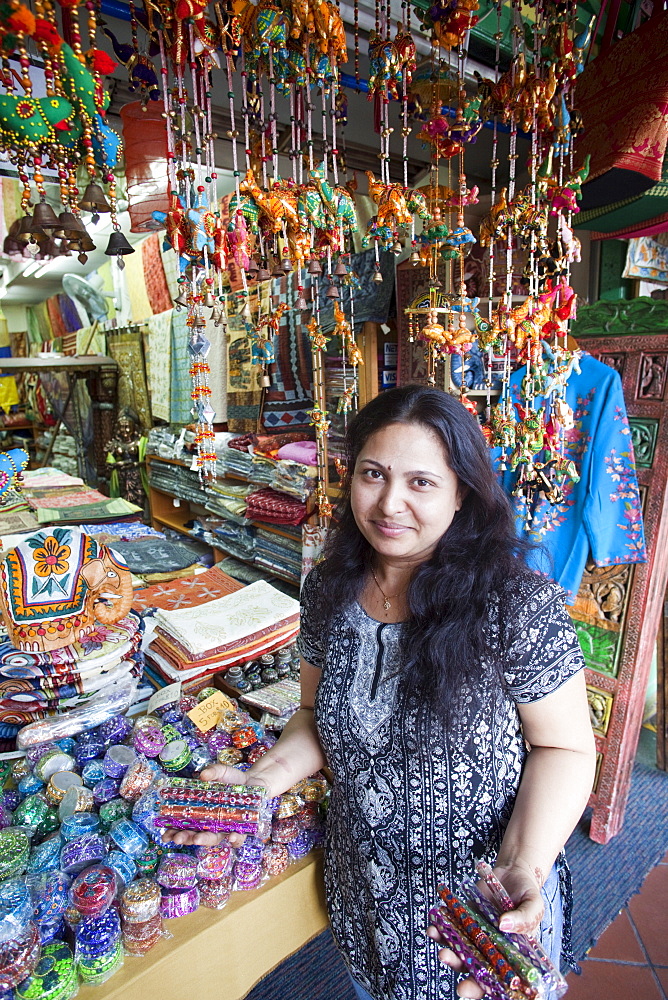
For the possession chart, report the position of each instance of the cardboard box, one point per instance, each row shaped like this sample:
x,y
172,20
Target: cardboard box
x,y
223,954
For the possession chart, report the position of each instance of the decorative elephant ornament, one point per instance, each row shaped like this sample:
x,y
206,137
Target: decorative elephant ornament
x,y
56,583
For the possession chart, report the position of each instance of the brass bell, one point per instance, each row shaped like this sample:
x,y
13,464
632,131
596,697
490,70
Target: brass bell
x,y
12,246
286,265
341,268
265,381
278,272
209,301
415,258
397,248
301,303
118,245
51,248
24,231
70,226
44,217
377,276
252,266
181,302
314,267
263,274
94,200
332,292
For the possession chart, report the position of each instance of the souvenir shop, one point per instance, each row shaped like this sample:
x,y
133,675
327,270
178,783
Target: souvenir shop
x,y
225,227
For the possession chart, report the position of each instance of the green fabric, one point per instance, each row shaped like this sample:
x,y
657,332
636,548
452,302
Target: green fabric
x,y
87,512
629,211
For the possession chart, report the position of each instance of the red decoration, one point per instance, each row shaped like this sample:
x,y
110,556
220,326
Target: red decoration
x,y
100,62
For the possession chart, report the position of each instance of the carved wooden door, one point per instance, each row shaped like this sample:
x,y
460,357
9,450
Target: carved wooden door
x,y
618,611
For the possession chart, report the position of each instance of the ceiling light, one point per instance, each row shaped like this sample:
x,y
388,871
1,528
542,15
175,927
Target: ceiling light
x,y
33,266
42,270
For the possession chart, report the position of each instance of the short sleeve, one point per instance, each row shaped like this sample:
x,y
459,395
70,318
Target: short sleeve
x,y
310,642
542,649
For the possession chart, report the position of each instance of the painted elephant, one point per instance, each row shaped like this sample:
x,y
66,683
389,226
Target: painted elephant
x,y
56,583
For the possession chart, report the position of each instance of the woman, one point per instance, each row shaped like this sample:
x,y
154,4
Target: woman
x,y
430,657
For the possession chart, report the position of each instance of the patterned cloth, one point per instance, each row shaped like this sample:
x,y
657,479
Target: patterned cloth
x,y
180,401
154,275
601,515
186,593
274,507
160,373
413,805
126,348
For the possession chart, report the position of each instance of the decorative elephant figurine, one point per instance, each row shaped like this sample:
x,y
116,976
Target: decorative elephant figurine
x,y
56,583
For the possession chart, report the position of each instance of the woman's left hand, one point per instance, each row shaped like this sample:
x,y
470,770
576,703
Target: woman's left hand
x,y
522,884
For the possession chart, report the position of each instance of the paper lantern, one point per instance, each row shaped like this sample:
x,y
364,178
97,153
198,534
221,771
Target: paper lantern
x,y
145,141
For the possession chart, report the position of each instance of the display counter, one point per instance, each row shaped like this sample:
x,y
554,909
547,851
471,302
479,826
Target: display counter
x,y
222,955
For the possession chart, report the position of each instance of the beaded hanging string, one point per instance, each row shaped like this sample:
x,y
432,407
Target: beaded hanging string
x,y
318,414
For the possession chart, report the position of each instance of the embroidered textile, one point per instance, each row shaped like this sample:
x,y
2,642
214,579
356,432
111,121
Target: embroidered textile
x,y
154,275
277,508
126,348
646,259
160,374
601,515
229,618
180,401
186,593
413,805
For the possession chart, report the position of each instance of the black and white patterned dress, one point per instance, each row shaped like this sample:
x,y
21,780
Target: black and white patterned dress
x,y
413,806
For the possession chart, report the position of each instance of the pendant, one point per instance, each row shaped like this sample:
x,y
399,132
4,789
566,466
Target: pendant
x,y
386,604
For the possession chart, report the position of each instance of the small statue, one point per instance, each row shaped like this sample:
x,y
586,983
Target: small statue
x,y
125,456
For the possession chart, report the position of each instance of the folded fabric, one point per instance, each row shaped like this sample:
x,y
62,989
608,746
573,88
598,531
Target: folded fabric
x,y
177,651
305,452
96,648
277,508
125,530
170,673
155,555
188,592
102,511
233,617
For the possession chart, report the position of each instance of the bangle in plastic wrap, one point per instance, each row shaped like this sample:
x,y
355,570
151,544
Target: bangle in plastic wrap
x,y
147,863
230,756
115,730
247,874
77,799
31,812
30,785
275,859
97,970
215,862
93,890
175,756
54,978
177,871
112,811
21,768
284,830
129,837
52,761
218,740
78,824
201,758
178,902
117,760
300,845
58,785
138,779
186,804
149,740
289,805
45,857
14,851
92,773
88,749
123,867
16,909
170,733
139,938
106,790
214,893
52,898
141,900
243,736
19,957
81,852
96,935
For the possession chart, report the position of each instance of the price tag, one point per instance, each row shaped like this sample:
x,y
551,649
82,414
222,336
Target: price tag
x,y
165,696
209,712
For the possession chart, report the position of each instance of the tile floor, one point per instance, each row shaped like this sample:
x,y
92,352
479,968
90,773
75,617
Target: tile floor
x,y
630,959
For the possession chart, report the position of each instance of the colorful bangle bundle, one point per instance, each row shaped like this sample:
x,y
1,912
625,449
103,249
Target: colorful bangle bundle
x,y
54,978
19,957
187,804
508,967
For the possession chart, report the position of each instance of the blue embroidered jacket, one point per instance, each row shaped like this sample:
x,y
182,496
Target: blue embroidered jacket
x,y
600,515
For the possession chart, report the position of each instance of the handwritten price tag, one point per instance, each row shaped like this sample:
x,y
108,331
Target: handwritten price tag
x,y
165,696
209,712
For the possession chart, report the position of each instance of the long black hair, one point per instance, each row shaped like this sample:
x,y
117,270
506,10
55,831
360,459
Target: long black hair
x,y
448,596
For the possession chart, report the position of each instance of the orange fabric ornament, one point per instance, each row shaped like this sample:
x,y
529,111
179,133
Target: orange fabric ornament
x,y
22,20
100,62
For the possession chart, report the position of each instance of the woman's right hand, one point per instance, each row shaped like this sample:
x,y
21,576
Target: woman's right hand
x,y
226,775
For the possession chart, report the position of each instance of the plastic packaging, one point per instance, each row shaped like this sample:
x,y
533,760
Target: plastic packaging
x,y
14,851
19,957
93,890
16,909
54,978
188,804
110,701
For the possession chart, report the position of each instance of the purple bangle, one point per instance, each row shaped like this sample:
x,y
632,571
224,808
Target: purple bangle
x,y
115,730
105,790
117,760
177,871
81,852
178,902
149,741
215,862
301,844
247,874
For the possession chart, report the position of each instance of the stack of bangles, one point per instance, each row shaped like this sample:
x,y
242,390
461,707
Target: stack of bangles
x,y
186,804
140,916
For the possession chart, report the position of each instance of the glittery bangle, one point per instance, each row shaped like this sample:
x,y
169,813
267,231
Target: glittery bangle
x,y
141,900
243,736
146,720
201,758
19,957
14,851
147,863
214,893
21,768
206,692
215,862
218,740
187,703
92,773
93,891
254,753
106,790
200,805
312,789
97,970
247,874
16,909
31,812
300,845
230,756
77,799
178,902
96,935
54,978
78,824
129,837
114,730
117,760
141,928
144,813
52,761
284,830
123,868
275,859
177,871
111,812
170,733
289,805
137,779
58,785
45,857
81,852
149,740
88,747
30,785
175,756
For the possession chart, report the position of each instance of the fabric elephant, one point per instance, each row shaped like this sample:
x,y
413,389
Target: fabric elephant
x,y
56,583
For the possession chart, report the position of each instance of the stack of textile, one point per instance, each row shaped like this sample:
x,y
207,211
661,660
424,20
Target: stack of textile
x,y
294,478
56,497
194,642
275,508
238,540
235,461
280,554
228,500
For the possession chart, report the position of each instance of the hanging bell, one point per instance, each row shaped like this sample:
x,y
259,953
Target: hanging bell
x,y
332,292
301,303
209,301
341,268
278,272
252,266
181,302
265,381
314,267
25,230
45,218
12,246
217,316
86,244
397,248
51,248
118,245
263,274
415,258
94,200
286,265
70,226
377,276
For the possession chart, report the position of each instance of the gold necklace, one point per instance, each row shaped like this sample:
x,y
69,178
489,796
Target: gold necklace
x,y
386,600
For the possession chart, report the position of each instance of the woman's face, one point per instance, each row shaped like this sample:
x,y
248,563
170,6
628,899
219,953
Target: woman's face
x,y
404,494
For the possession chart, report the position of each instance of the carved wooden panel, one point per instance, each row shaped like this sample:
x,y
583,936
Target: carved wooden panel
x,y
412,365
619,609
